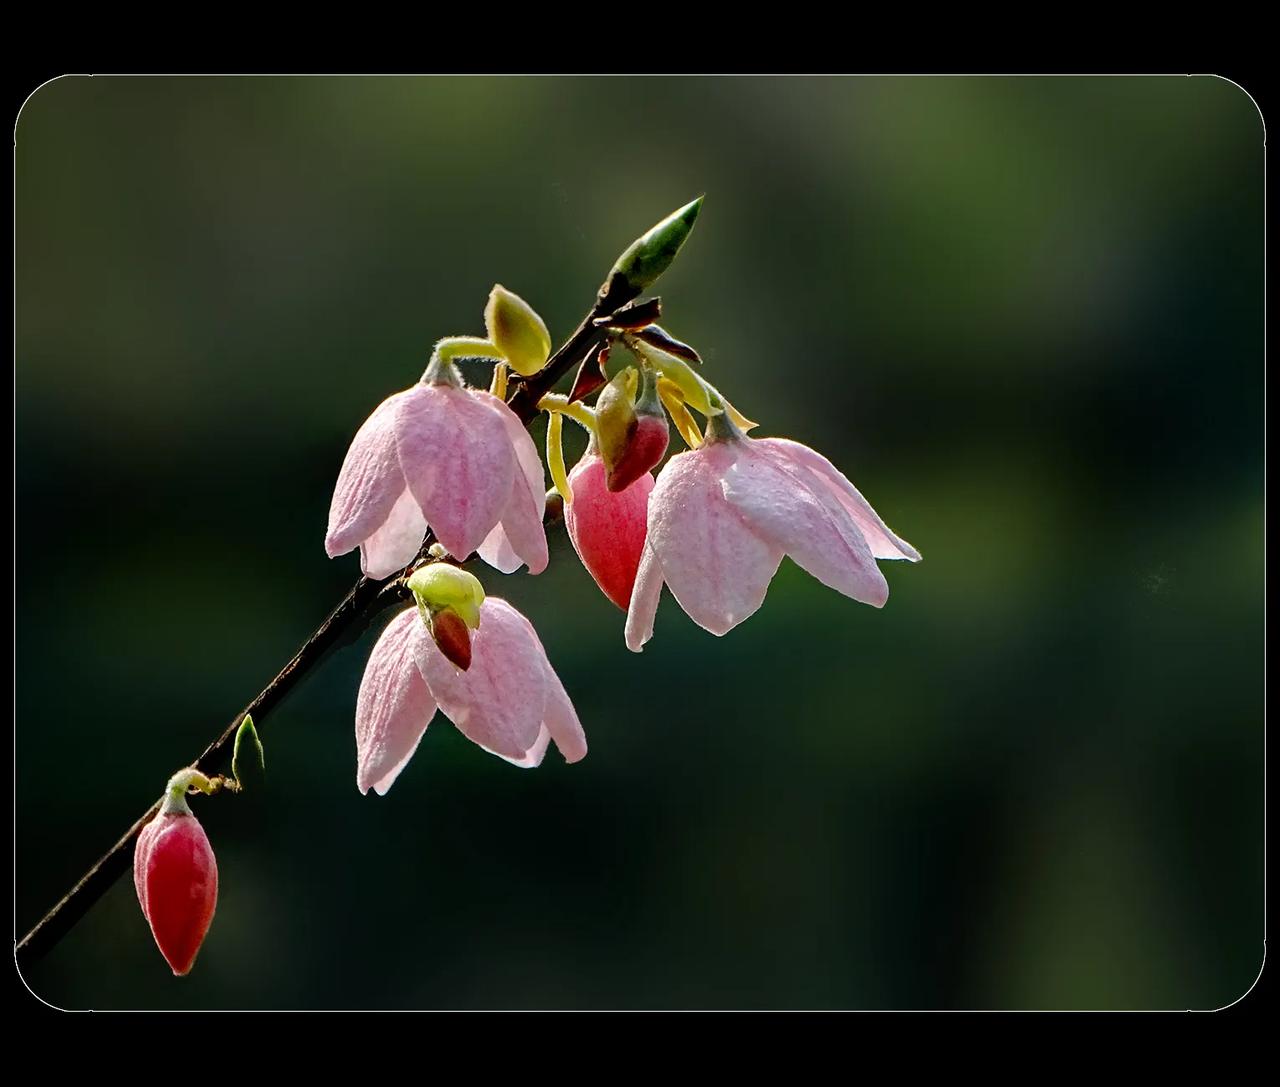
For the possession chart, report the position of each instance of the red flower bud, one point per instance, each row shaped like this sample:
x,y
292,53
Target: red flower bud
x,y
176,877
645,447
631,427
451,636
608,529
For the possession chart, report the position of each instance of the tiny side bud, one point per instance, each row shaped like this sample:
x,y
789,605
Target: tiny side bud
x,y
554,509
248,761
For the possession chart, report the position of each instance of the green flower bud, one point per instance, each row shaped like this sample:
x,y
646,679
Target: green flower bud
x,y
651,254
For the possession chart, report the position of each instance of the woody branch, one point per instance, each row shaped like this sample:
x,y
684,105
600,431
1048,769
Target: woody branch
x,y
352,616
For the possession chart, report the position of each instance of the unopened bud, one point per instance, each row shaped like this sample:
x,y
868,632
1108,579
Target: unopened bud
x,y
451,635
607,529
646,442
176,877
553,511
645,259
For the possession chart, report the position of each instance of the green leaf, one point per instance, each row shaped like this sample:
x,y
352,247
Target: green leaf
x,y
248,763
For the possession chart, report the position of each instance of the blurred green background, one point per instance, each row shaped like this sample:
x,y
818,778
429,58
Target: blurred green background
x,y
1024,315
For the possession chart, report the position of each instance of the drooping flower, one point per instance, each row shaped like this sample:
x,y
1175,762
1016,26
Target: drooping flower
x,y
445,456
509,700
722,516
176,877
607,528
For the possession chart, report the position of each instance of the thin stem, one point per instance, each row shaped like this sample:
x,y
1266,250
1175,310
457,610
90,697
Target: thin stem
x,y
365,601
555,404
555,457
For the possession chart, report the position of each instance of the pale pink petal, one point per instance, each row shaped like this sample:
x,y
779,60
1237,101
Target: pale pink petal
x,y
562,720
717,568
644,600
882,541
142,859
522,515
526,452
457,461
533,757
813,528
497,551
394,705
370,481
497,702
522,522
397,542
519,537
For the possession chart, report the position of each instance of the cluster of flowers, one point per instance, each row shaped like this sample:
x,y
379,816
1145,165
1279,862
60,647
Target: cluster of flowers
x,y
448,461
455,460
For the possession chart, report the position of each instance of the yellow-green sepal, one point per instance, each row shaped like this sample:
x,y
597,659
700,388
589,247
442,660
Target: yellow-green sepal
x,y
616,414
695,390
442,585
517,331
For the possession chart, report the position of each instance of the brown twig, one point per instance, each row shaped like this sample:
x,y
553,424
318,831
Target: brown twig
x,y
346,622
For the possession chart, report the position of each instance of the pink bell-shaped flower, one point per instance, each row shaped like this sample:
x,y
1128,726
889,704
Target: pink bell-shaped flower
x,y
722,516
607,528
509,700
445,456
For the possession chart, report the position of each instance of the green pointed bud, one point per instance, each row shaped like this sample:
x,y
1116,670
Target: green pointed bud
x,y
616,415
248,762
517,331
651,254
440,585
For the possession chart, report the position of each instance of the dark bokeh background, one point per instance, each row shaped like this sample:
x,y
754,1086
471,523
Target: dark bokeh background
x,y
1025,315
